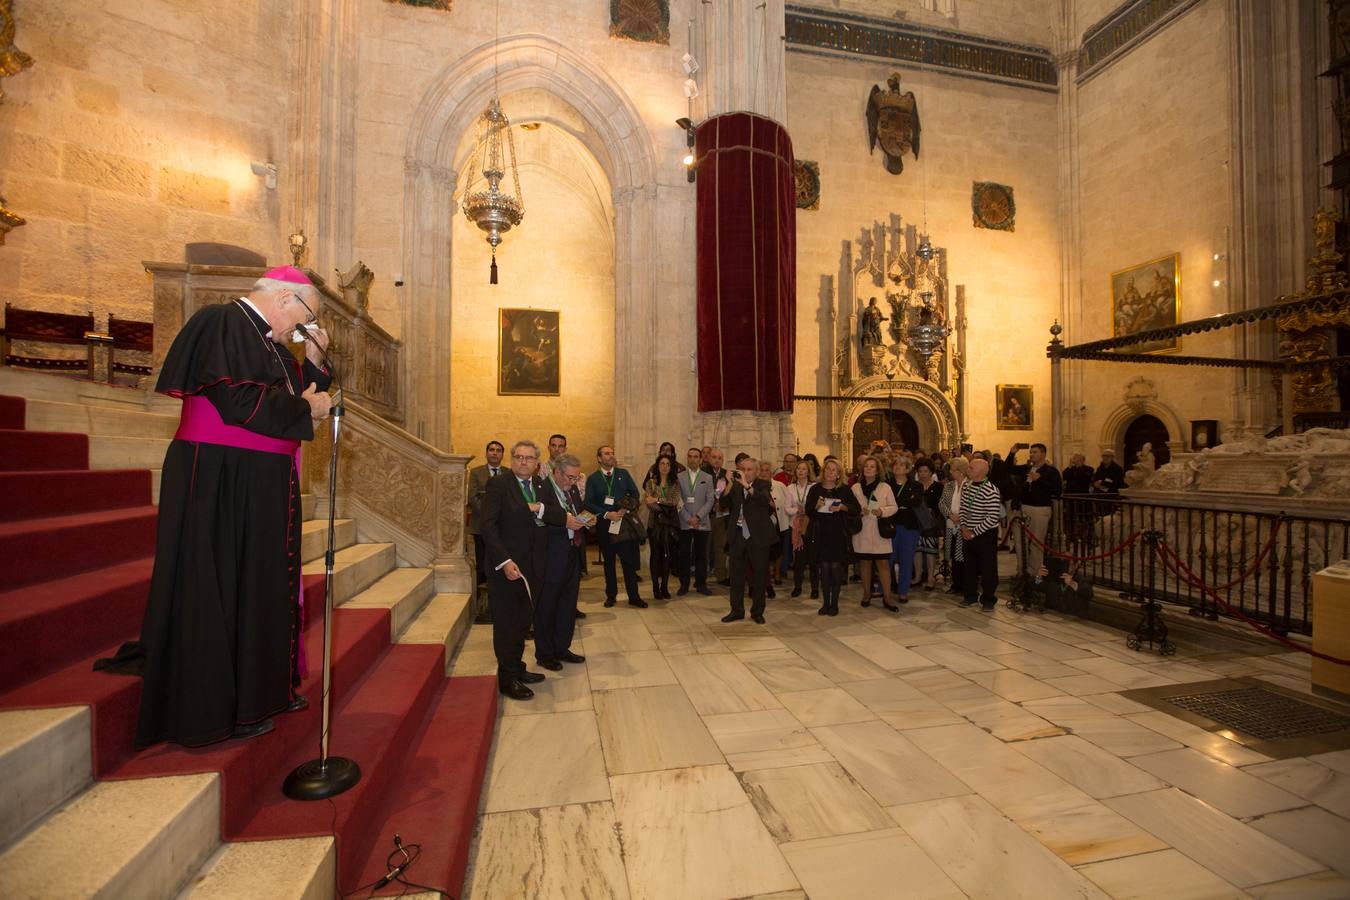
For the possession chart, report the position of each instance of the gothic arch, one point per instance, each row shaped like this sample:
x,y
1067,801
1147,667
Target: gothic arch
x,y
620,142
932,411
1113,429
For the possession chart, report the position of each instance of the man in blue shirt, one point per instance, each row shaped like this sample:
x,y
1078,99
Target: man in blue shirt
x,y
612,494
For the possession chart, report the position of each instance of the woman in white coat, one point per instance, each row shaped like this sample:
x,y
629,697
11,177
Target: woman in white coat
x,y
870,546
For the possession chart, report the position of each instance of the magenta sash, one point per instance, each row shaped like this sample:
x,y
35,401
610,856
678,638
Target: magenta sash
x,y
200,423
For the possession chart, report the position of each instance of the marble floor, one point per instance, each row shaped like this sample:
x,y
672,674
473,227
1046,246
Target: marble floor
x,y
938,753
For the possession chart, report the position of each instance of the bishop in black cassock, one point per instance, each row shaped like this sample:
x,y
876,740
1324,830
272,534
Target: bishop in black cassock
x,y
220,642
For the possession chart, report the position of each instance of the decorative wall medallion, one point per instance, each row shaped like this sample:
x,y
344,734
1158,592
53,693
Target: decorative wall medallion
x,y
640,20
807,173
429,4
893,122
992,206
12,59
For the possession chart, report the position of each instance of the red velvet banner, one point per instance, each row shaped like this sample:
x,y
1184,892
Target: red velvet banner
x,y
747,264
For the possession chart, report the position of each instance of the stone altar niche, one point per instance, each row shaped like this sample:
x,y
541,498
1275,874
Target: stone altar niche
x,y
875,350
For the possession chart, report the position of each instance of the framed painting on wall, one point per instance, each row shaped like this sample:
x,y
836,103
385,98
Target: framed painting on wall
x,y
1145,297
528,352
1013,406
1204,434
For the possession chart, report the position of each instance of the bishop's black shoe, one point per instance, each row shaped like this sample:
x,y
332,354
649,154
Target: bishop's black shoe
x,y
515,690
298,704
257,729
568,656
530,677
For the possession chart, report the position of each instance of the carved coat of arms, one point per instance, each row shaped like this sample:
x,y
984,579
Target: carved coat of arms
x,y
893,122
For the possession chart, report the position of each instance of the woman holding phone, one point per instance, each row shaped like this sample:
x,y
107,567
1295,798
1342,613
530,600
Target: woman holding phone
x,y
829,504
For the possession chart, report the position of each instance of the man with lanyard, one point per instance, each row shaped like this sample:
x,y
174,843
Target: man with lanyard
x,y
556,606
696,492
717,532
221,646
479,476
611,494
557,446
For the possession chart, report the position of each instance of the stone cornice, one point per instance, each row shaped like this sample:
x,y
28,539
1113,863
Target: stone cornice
x,y
1124,28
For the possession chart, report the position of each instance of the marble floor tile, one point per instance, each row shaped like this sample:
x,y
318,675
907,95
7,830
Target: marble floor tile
x,y
1115,703
1197,738
1121,673
1042,645
1005,721
697,829
888,764
884,652
601,639
1222,786
1087,767
721,683
565,691
1082,685
1116,649
641,668
475,655
987,855
956,659
1062,817
1163,873
985,645
1015,686
1182,673
765,739
865,867
753,643
834,660
1338,760
644,729
1110,732
937,680
693,639
799,803
782,670
1034,664
559,852
900,704
1315,832
831,706
1216,841
906,634
545,760
1325,885
1312,781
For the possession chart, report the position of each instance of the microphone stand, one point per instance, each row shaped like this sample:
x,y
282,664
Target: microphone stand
x,y
326,776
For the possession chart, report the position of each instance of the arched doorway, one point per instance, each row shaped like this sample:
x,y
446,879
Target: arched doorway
x,y
1143,430
895,426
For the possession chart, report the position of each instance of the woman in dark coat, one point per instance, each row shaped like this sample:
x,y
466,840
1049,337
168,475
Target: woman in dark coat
x,y
662,496
829,505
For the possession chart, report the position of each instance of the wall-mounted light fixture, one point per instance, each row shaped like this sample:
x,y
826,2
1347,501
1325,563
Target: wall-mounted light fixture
x,y
267,171
689,135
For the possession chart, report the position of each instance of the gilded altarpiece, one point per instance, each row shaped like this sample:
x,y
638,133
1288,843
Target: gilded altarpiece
x,y
899,337
1311,334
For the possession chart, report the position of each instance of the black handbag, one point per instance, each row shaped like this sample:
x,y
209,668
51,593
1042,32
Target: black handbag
x,y
886,527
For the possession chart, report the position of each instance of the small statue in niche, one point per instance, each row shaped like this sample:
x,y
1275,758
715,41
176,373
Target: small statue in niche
x,y
898,303
870,348
893,121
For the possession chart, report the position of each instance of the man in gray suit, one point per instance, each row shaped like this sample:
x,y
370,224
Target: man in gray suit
x,y
696,496
478,479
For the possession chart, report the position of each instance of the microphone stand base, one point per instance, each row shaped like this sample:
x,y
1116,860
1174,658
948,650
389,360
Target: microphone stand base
x,y
320,779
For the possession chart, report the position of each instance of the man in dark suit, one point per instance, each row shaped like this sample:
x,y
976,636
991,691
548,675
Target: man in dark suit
x,y
555,608
479,476
612,494
751,532
516,508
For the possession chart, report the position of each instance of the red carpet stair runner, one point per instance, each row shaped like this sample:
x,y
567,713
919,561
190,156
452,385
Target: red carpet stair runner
x,y
76,550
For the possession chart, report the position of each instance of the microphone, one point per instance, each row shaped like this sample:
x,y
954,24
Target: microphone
x,y
304,332
397,870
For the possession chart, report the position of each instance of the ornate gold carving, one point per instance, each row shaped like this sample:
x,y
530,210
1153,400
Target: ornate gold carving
x,y
12,59
8,220
1325,275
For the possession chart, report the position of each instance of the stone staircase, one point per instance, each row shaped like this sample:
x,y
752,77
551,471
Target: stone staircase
x,y
62,834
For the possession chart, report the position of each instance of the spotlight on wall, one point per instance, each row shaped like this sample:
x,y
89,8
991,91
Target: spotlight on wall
x,y
267,171
690,133
690,88
690,64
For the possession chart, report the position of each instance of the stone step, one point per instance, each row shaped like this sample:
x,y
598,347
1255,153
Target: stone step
x,y
356,568
307,506
314,536
99,419
445,620
44,761
110,451
62,388
404,592
289,869
142,838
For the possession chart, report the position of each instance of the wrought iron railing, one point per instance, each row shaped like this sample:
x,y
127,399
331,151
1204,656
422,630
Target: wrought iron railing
x,y
1260,563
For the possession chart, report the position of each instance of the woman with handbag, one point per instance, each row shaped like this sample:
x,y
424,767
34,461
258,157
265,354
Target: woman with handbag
x,y
905,538
833,510
949,507
870,544
661,494
803,535
930,522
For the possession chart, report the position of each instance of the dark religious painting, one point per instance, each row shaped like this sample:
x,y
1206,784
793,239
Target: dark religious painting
x,y
527,352
992,206
1204,434
807,174
1014,407
429,4
1145,297
640,20
893,122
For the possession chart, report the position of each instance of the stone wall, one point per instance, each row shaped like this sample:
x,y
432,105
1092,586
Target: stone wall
x,y
131,136
972,131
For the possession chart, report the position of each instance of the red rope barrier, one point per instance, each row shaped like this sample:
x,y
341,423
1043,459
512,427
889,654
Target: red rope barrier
x,y
1022,523
1177,566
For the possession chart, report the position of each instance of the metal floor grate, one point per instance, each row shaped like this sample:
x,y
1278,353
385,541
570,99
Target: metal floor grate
x,y
1263,714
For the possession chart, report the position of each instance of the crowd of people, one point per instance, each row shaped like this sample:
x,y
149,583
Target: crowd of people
x,y
899,520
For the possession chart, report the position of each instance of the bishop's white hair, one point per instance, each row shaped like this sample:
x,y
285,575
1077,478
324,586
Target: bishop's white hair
x,y
308,292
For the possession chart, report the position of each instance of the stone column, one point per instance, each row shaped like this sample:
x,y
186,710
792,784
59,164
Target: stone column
x,y
742,54
1067,422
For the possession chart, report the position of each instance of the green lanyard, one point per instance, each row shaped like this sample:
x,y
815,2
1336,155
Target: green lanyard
x,y
527,489
609,483
693,481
